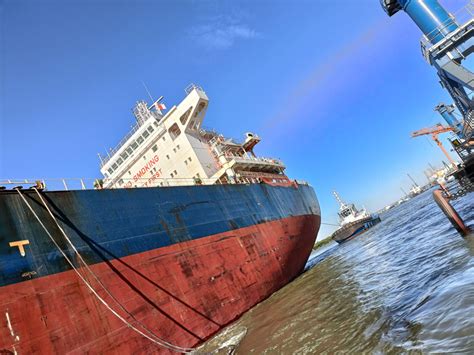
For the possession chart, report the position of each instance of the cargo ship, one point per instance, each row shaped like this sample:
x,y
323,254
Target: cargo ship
x,y
352,220
186,231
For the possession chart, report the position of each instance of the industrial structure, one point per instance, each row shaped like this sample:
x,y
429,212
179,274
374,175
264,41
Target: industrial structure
x,y
434,132
446,43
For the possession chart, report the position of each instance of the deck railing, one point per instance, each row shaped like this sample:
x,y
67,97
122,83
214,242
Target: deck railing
x,y
65,184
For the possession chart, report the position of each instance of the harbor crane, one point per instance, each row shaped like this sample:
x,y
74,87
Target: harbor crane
x,y
446,44
434,132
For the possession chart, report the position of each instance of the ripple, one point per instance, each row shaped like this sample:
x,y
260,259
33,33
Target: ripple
x,y
406,285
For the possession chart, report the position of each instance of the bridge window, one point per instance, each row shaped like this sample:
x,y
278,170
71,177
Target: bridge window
x,y
174,131
140,140
184,117
150,129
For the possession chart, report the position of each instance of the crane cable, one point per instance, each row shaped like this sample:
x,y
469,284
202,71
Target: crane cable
x,y
153,338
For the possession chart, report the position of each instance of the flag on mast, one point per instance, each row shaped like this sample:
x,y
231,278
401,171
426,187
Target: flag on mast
x,y
160,106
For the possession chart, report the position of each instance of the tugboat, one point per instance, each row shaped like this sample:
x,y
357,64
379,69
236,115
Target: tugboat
x,y
353,221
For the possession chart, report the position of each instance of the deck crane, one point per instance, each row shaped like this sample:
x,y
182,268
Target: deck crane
x,y
434,132
445,45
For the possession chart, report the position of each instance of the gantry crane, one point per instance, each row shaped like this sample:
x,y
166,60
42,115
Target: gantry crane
x,y
446,45
435,131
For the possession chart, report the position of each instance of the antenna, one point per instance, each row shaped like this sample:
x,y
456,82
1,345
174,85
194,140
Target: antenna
x,y
100,158
414,182
147,91
404,192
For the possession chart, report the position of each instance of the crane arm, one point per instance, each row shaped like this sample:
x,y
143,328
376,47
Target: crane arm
x,y
432,130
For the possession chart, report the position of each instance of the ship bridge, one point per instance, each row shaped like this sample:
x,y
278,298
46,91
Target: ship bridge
x,y
172,148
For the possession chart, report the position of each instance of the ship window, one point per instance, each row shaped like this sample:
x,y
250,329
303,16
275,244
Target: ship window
x,y
121,182
156,124
124,155
144,157
184,117
114,166
164,138
167,156
177,147
155,148
150,129
175,172
186,162
140,140
174,131
110,171
134,145
190,159
129,150
171,175
174,150
119,161
129,172
145,134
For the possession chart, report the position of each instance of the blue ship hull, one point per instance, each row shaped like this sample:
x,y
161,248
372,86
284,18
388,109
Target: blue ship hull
x,y
193,243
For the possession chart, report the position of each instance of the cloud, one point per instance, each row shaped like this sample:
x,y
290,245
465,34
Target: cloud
x,y
221,32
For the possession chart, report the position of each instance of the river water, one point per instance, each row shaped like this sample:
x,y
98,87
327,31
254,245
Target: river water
x,y
405,285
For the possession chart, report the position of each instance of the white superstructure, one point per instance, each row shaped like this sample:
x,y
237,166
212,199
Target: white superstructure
x,y
348,213
174,149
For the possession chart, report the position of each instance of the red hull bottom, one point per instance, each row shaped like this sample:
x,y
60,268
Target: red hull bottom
x,y
184,293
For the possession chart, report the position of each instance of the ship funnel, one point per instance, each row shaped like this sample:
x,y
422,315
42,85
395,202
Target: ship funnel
x,y
432,19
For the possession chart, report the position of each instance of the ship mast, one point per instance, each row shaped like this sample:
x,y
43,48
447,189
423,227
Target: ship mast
x,y
338,198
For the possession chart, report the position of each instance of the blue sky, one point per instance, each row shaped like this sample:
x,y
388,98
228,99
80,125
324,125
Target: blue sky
x,y
334,88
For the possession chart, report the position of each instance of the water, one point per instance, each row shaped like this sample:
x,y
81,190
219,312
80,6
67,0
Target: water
x,y
406,285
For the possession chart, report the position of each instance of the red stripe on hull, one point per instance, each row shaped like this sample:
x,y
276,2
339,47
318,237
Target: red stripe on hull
x,y
184,293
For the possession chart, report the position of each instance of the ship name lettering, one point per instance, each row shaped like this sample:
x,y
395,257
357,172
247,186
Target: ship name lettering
x,y
20,244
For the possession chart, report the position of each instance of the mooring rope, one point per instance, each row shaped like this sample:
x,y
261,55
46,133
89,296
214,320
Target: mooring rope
x,y
97,278
153,338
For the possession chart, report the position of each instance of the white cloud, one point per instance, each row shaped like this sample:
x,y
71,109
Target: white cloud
x,y
222,32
